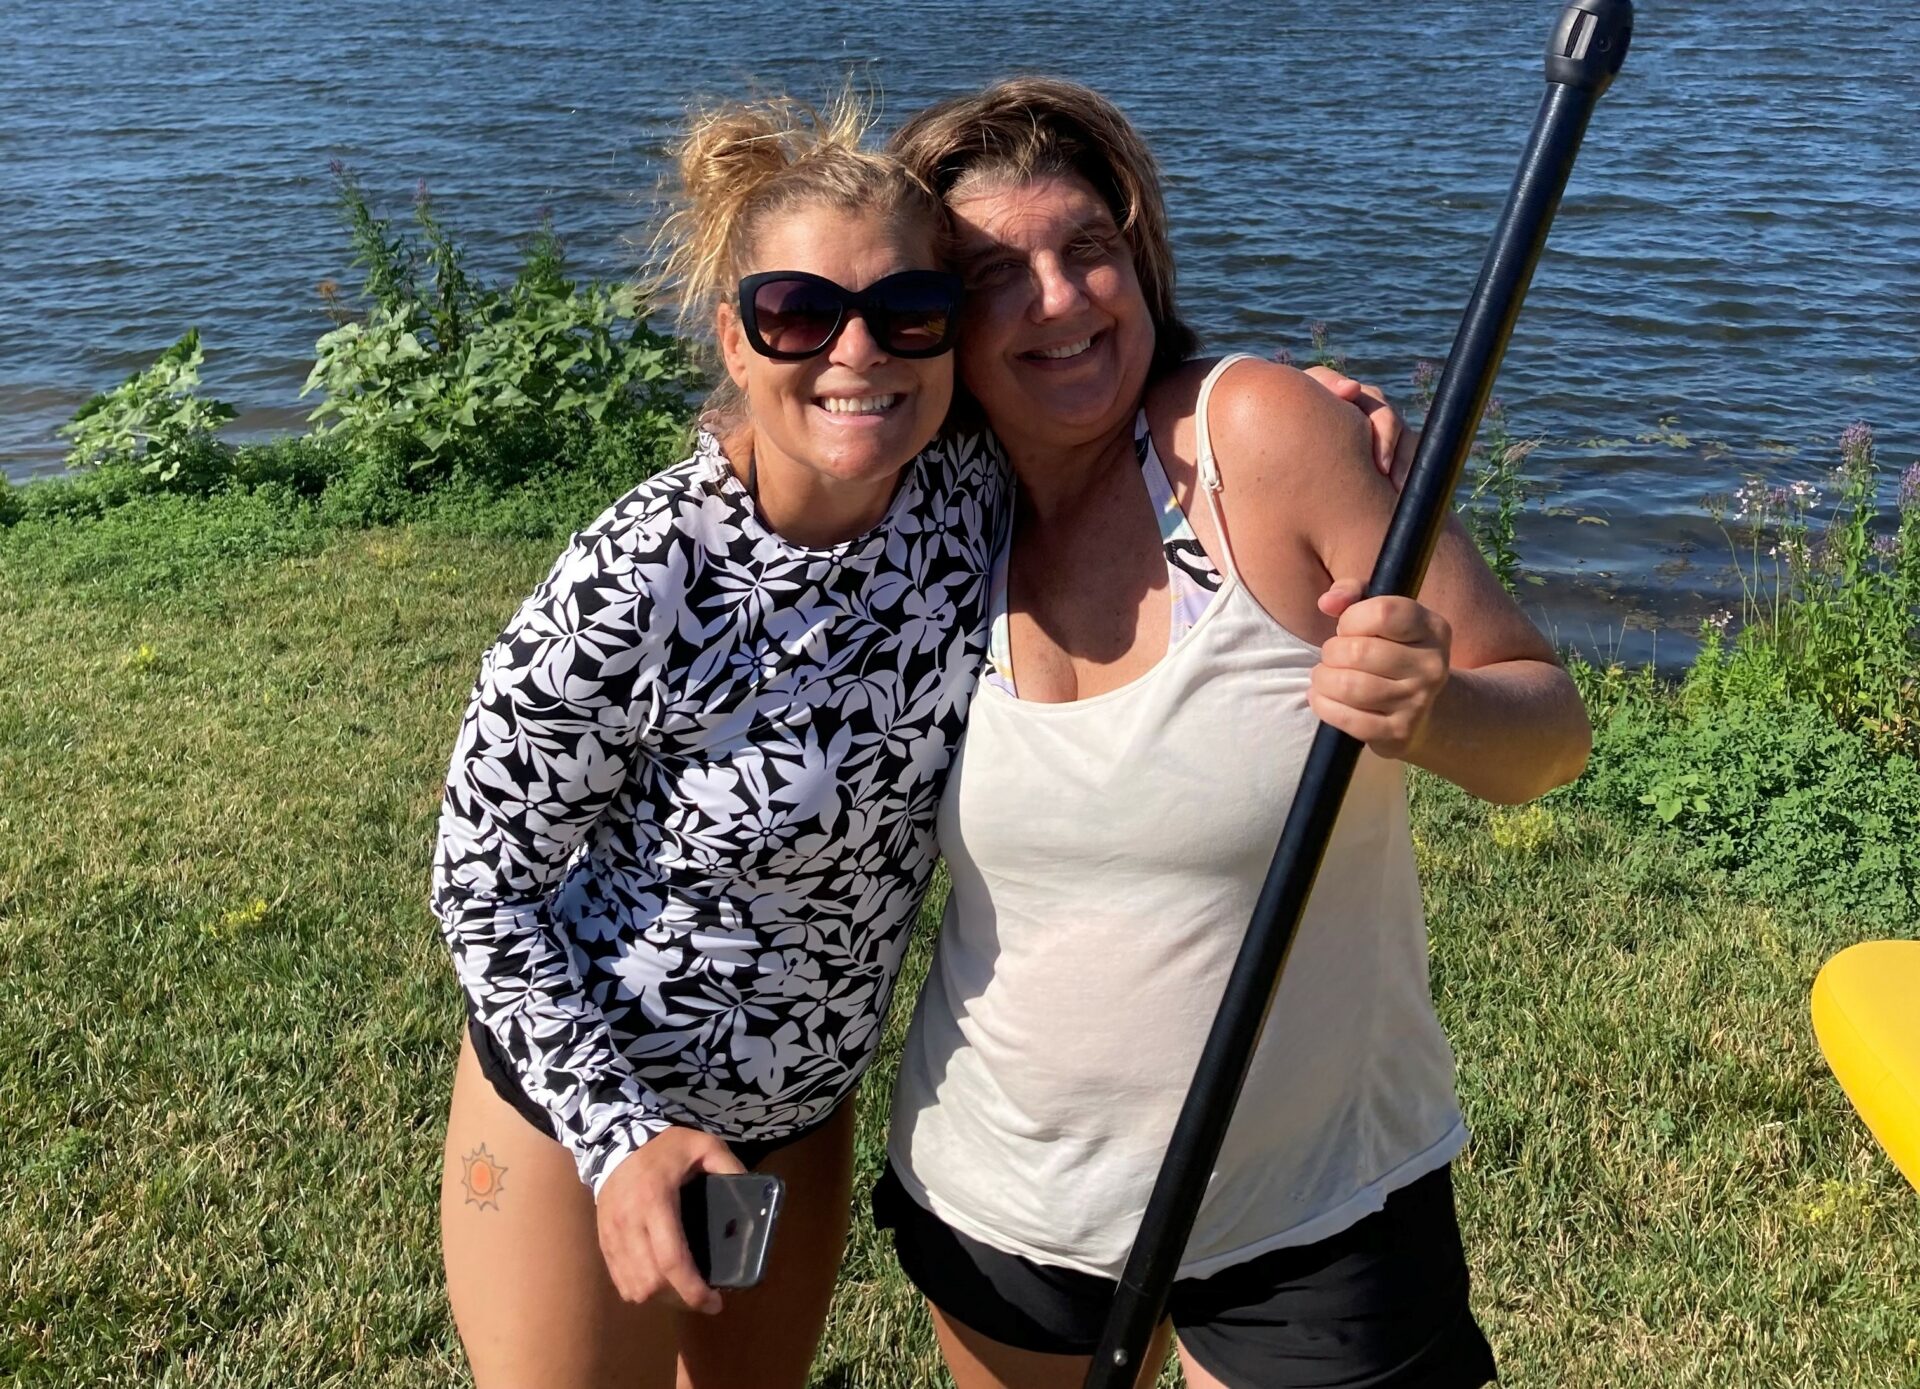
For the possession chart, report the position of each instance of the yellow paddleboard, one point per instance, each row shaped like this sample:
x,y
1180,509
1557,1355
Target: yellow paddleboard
x,y
1866,1013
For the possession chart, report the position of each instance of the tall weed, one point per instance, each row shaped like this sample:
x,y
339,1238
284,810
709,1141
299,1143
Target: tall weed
x,y
1830,598
1494,480
478,379
154,422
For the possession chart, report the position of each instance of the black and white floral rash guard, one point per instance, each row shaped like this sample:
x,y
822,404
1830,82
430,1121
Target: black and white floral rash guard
x,y
690,813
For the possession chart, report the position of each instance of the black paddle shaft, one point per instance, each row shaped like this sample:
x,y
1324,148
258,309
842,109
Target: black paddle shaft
x,y
1588,45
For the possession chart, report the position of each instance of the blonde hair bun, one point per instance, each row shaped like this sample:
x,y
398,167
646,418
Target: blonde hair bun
x,y
741,163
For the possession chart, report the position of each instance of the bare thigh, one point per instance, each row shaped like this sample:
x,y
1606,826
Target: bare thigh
x,y
530,1293
979,1363
1196,1376
765,1337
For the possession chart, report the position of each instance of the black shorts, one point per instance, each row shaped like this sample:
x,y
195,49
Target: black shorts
x,y
506,1084
1381,1305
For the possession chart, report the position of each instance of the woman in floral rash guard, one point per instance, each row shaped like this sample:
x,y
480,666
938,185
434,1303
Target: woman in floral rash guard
x,y
689,818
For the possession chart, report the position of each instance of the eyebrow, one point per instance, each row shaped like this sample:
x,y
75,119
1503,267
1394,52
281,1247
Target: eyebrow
x,y
968,259
1100,224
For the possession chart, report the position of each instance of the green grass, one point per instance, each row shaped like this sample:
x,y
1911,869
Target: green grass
x,y
220,1122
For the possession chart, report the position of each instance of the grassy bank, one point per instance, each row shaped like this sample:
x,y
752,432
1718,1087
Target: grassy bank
x,y
230,684
229,1023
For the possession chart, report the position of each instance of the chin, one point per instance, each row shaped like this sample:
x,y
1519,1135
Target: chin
x,y
853,466
1090,405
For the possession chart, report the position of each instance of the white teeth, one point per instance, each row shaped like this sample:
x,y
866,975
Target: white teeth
x,y
858,405
1071,349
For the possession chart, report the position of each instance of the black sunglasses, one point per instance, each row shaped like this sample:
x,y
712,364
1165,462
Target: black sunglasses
x,y
790,315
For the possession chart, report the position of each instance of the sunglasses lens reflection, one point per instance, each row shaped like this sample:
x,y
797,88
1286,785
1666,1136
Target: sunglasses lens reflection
x,y
919,316
795,316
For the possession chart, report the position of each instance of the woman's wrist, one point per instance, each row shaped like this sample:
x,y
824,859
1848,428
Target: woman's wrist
x,y
620,1143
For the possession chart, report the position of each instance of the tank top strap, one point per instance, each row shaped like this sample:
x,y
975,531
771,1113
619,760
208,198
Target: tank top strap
x,y
1211,483
998,671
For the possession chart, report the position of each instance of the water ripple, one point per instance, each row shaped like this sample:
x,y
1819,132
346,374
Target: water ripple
x,y
1739,250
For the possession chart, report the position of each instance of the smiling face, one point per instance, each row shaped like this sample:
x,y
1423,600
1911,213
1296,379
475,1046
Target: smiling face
x,y
1056,341
854,415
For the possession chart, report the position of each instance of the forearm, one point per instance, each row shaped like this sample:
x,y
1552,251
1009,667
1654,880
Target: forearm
x,y
1507,732
522,987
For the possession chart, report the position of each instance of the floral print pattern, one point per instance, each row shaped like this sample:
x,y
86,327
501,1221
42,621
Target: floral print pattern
x,y
689,817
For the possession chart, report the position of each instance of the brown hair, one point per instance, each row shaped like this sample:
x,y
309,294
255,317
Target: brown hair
x,y
742,163
1030,127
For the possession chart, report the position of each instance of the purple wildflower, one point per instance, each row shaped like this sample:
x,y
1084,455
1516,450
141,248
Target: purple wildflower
x,y
1910,487
420,195
1886,546
1425,373
1856,438
1283,357
337,167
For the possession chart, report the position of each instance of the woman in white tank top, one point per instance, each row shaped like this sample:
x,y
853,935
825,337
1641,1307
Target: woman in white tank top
x,y
1178,606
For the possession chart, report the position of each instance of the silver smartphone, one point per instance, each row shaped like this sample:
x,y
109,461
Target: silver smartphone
x,y
729,1223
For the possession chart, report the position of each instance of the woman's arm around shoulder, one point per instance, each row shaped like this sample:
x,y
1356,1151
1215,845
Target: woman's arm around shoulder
x,y
1459,682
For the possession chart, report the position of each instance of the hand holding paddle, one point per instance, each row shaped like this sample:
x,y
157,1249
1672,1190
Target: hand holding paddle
x,y
1382,672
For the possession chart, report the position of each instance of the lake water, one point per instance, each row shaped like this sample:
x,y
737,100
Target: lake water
x,y
1734,276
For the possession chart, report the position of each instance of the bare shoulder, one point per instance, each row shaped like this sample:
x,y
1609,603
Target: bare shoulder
x,y
1262,416
1304,505
1278,437
1292,455
1280,424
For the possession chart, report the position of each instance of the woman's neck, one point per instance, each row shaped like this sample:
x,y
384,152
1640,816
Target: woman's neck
x,y
1057,477
806,507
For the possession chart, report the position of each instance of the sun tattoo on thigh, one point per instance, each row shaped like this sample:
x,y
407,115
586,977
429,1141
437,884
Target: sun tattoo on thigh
x,y
484,1178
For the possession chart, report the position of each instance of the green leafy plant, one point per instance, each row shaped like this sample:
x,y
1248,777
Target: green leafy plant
x,y
152,421
1669,795
1791,806
457,367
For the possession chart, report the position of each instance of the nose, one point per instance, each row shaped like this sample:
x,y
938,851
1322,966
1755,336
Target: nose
x,y
856,348
1058,292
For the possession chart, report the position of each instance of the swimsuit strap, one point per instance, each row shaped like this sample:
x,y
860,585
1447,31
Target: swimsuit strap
x,y
1191,578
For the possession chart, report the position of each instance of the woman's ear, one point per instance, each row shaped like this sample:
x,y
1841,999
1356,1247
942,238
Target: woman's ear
x,y
733,343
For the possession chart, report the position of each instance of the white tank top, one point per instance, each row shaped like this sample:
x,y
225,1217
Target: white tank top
x,y
1105,856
